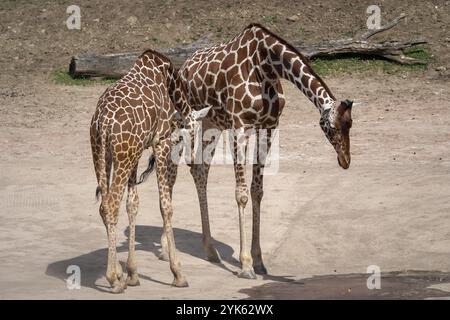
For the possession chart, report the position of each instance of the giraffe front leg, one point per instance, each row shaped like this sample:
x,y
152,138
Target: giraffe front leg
x,y
132,210
247,271
240,150
257,192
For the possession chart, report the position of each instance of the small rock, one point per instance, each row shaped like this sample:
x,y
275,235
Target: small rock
x,y
404,76
43,31
441,68
294,18
132,20
96,20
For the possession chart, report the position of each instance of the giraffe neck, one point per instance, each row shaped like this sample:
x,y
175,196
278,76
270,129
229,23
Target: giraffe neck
x,y
280,59
178,96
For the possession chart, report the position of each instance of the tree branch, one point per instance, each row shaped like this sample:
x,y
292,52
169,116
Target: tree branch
x,y
388,26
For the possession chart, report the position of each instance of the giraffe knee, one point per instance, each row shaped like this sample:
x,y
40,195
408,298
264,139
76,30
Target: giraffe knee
x,y
256,192
242,196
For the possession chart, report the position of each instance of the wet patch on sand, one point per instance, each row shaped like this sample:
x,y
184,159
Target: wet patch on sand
x,y
394,285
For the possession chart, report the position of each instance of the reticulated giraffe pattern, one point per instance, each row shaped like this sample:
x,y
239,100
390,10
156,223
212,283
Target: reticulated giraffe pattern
x,y
136,113
240,80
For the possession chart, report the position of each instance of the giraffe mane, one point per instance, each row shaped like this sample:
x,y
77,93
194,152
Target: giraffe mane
x,y
304,59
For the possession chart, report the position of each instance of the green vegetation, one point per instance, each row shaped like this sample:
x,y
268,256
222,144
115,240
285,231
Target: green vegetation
x,y
343,64
63,77
349,64
418,53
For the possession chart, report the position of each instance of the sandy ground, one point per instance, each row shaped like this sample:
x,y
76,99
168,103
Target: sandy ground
x,y
390,209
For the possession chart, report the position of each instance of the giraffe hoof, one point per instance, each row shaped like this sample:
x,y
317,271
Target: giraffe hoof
x,y
247,274
214,259
180,283
119,287
163,256
133,280
260,269
213,256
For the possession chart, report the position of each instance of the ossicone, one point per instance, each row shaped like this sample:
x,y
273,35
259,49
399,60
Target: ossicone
x,y
347,103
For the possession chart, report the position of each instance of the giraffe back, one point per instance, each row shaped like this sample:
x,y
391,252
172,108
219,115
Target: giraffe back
x,y
138,105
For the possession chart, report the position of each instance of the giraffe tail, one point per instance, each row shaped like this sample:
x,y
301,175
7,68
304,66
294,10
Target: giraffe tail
x,y
98,193
104,165
151,166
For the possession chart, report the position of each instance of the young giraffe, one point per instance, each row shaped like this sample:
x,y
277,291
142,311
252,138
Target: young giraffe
x,y
135,113
241,81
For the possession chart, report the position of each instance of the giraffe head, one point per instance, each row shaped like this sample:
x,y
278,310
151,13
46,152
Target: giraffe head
x,y
189,128
336,123
196,116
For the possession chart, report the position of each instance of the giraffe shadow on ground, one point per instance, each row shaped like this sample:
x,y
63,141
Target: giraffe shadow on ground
x,y
93,264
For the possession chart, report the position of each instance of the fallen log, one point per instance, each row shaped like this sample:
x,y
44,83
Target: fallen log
x,y
117,64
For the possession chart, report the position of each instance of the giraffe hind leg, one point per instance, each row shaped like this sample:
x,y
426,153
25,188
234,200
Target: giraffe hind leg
x,y
109,210
132,210
166,171
200,174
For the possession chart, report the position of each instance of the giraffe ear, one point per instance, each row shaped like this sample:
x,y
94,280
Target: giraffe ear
x,y
200,114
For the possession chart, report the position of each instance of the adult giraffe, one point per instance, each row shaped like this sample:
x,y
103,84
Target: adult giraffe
x,y
137,112
241,81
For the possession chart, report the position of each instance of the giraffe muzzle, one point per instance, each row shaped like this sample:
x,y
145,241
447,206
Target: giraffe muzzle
x,y
344,161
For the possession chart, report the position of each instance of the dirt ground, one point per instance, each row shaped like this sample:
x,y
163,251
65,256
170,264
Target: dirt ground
x,y
390,209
